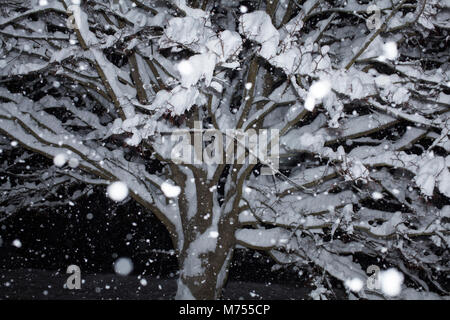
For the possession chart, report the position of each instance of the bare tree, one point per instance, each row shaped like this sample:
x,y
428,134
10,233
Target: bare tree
x,y
359,97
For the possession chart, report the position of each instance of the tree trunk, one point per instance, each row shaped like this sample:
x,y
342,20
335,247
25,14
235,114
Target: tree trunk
x,y
204,265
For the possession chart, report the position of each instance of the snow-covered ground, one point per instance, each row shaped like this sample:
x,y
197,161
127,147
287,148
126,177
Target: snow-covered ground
x,y
42,285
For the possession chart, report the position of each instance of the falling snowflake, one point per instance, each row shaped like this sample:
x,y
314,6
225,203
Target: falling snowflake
x,y
143,282
73,162
391,282
123,266
354,284
60,159
17,243
169,190
213,234
117,191
377,195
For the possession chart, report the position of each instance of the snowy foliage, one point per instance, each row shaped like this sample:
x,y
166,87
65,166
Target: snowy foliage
x,y
363,117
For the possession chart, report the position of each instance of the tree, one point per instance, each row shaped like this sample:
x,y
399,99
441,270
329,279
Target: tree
x,y
359,98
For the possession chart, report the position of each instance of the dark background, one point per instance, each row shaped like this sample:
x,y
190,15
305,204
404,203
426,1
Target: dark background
x,y
55,238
